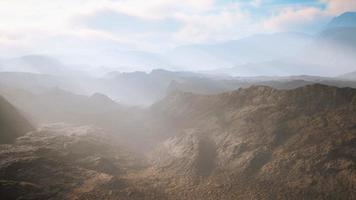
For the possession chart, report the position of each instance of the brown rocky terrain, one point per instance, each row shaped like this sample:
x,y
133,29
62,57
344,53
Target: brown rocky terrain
x,y
254,143
60,161
261,143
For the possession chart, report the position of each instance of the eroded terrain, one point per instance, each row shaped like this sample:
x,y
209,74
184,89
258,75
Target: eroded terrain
x,y
254,143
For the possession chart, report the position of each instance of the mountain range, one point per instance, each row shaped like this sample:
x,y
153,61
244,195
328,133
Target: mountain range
x,y
270,116
264,54
252,143
144,89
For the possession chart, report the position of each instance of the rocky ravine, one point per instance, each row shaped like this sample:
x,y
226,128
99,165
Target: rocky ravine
x,y
254,143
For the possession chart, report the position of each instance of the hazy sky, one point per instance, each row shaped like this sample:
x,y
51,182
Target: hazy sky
x,y
59,26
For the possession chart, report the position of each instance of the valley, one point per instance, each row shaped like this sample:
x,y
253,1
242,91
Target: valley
x,y
177,100
239,144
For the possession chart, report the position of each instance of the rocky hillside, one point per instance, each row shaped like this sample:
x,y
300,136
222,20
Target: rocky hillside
x,y
12,123
60,161
253,143
260,143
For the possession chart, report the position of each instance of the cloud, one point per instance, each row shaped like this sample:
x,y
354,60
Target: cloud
x,y
256,3
294,19
179,22
88,26
311,17
228,21
35,21
159,9
336,7
111,20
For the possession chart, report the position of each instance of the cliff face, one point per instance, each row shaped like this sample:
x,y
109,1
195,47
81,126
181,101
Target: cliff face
x,y
262,143
12,123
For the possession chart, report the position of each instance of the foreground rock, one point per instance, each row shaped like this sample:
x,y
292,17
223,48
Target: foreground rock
x,y
60,161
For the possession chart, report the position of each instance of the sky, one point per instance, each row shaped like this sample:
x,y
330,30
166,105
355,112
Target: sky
x,y
79,26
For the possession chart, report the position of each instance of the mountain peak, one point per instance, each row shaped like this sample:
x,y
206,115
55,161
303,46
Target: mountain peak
x,y
347,19
102,99
348,14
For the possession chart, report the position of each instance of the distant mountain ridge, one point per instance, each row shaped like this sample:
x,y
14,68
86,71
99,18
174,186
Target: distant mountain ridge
x,y
33,63
256,48
348,76
334,46
347,19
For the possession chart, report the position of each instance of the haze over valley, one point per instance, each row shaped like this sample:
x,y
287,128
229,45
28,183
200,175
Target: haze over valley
x,y
176,100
